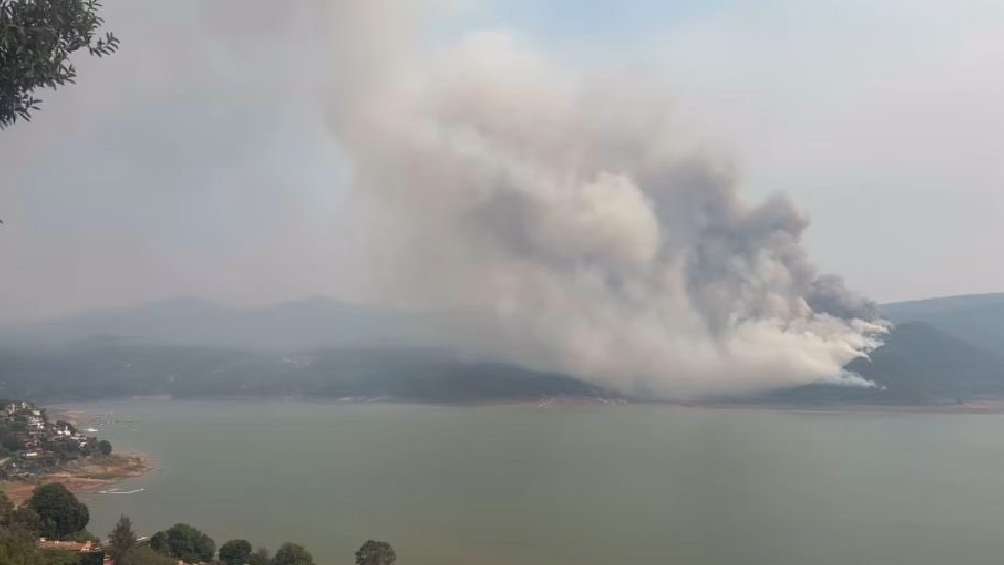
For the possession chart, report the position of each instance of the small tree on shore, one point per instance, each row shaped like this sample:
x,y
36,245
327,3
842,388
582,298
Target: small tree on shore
x,y
292,554
376,553
105,447
158,542
184,542
235,552
121,540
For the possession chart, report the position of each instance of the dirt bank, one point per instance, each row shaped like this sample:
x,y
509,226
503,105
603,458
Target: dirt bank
x,y
92,474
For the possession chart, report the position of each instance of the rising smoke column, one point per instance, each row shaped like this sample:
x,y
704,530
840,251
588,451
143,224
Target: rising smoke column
x,y
570,222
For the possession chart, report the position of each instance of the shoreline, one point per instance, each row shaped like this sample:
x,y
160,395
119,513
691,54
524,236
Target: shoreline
x,y
87,475
84,476
988,406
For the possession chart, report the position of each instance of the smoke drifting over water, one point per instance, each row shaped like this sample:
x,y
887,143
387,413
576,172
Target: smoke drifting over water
x,y
571,220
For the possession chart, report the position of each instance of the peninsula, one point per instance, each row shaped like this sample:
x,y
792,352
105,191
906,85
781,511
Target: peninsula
x,y
35,450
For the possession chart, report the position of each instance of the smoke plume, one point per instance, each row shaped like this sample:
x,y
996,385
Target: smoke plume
x,y
573,223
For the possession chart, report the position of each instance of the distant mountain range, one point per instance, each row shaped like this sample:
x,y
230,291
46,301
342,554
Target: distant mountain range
x,y
289,326
188,347
943,350
977,319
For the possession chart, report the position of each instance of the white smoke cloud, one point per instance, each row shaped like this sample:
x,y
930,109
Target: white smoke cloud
x,y
572,221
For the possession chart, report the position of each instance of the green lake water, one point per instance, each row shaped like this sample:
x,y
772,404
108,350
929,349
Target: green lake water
x,y
568,485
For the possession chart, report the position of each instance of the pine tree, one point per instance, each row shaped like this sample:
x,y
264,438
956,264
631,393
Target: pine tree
x,y
121,540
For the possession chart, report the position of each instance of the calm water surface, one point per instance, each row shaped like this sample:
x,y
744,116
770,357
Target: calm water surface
x,y
569,485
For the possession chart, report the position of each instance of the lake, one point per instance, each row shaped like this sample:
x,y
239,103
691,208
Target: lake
x,y
579,485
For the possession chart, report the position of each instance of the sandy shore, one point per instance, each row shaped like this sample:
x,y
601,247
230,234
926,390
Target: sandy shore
x,y
92,475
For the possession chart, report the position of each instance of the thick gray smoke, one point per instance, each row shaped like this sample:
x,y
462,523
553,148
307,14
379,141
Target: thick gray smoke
x,y
573,219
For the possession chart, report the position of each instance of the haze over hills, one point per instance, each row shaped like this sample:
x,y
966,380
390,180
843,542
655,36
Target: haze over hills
x,y
941,351
976,318
288,326
189,347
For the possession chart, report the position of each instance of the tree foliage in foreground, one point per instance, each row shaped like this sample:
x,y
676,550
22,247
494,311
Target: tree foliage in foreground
x,y
375,553
235,552
59,512
26,520
166,547
36,40
18,530
121,540
184,542
18,548
292,554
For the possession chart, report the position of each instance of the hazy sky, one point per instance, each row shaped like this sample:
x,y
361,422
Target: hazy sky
x,y
198,160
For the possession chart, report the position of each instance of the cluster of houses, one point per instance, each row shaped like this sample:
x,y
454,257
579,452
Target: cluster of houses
x,y
31,444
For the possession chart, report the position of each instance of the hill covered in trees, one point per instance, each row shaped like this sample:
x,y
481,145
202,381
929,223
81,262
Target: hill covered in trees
x,y
114,368
940,351
919,364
